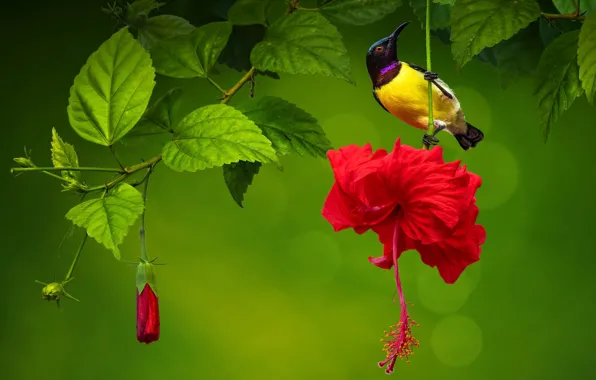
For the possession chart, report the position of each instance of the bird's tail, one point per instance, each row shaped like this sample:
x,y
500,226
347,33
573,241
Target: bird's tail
x,y
471,138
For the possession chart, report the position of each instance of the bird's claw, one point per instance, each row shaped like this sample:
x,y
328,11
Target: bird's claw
x,y
439,126
428,140
430,76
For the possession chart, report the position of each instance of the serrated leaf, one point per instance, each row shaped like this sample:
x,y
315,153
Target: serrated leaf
x,y
112,91
238,176
289,128
558,80
587,56
163,27
570,6
191,55
64,155
358,12
440,14
519,55
243,39
303,43
215,135
107,219
549,30
159,118
140,8
477,24
249,12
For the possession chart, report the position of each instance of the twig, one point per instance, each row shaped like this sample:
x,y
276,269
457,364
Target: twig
x,y
430,128
232,91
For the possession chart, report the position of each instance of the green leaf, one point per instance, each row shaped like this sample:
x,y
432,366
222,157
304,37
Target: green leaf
x,y
159,118
519,55
238,176
162,28
358,12
440,14
215,135
444,2
112,90
249,12
587,56
558,80
303,43
107,219
64,155
570,6
140,9
290,129
477,24
191,55
549,30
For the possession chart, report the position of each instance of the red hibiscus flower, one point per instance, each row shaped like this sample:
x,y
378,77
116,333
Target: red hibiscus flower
x,y
147,305
412,200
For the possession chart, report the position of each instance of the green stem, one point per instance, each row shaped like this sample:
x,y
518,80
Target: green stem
x,y
75,260
430,128
68,168
568,16
144,255
115,156
128,171
214,83
232,91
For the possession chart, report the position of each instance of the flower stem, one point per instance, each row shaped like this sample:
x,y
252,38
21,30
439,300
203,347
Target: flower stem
x,y
111,147
214,83
68,276
66,168
430,128
144,255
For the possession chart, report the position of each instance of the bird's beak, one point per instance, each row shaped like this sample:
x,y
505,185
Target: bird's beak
x,y
393,37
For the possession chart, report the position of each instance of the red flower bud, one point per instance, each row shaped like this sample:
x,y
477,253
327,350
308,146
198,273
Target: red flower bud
x,y
147,304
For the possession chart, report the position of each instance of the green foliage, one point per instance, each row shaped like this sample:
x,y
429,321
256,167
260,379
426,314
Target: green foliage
x,y
587,56
358,12
303,43
215,135
519,55
161,28
64,155
476,24
570,6
112,90
249,12
558,80
191,55
159,118
108,218
440,14
238,176
289,128
445,2
138,11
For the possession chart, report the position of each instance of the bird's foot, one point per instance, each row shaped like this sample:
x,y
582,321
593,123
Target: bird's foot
x,y
431,140
430,76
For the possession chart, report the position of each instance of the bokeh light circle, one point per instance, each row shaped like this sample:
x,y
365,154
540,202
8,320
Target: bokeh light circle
x,y
442,298
457,341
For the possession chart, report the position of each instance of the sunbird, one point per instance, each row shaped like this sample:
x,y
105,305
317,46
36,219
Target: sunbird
x,y
401,88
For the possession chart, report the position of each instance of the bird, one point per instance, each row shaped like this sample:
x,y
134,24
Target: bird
x,y
401,88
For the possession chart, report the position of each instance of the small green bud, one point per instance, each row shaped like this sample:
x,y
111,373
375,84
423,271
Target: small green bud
x,y
52,291
24,162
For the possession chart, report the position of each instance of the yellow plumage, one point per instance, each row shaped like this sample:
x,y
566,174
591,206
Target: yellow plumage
x,y
406,97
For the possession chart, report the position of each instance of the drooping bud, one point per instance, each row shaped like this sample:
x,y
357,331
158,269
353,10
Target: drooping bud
x,y
52,291
148,325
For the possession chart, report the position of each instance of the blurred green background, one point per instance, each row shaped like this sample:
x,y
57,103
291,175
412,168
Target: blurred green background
x,y
269,291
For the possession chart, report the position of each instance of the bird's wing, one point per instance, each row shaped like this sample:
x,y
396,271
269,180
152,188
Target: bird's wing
x,y
439,83
378,101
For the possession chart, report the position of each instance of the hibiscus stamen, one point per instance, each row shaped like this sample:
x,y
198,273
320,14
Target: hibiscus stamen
x,y
401,342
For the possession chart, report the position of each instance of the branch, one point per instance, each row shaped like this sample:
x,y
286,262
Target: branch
x,y
128,171
227,96
68,276
567,16
430,128
66,168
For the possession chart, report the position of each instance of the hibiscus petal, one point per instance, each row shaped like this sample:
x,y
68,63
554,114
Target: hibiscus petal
x,y
337,209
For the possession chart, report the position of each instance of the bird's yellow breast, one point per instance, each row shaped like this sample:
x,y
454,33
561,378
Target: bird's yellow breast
x,y
406,97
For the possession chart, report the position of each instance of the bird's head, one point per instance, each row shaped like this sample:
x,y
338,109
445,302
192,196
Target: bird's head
x,y
382,55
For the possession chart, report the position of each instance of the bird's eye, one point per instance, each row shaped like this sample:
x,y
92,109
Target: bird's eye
x,y
379,49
